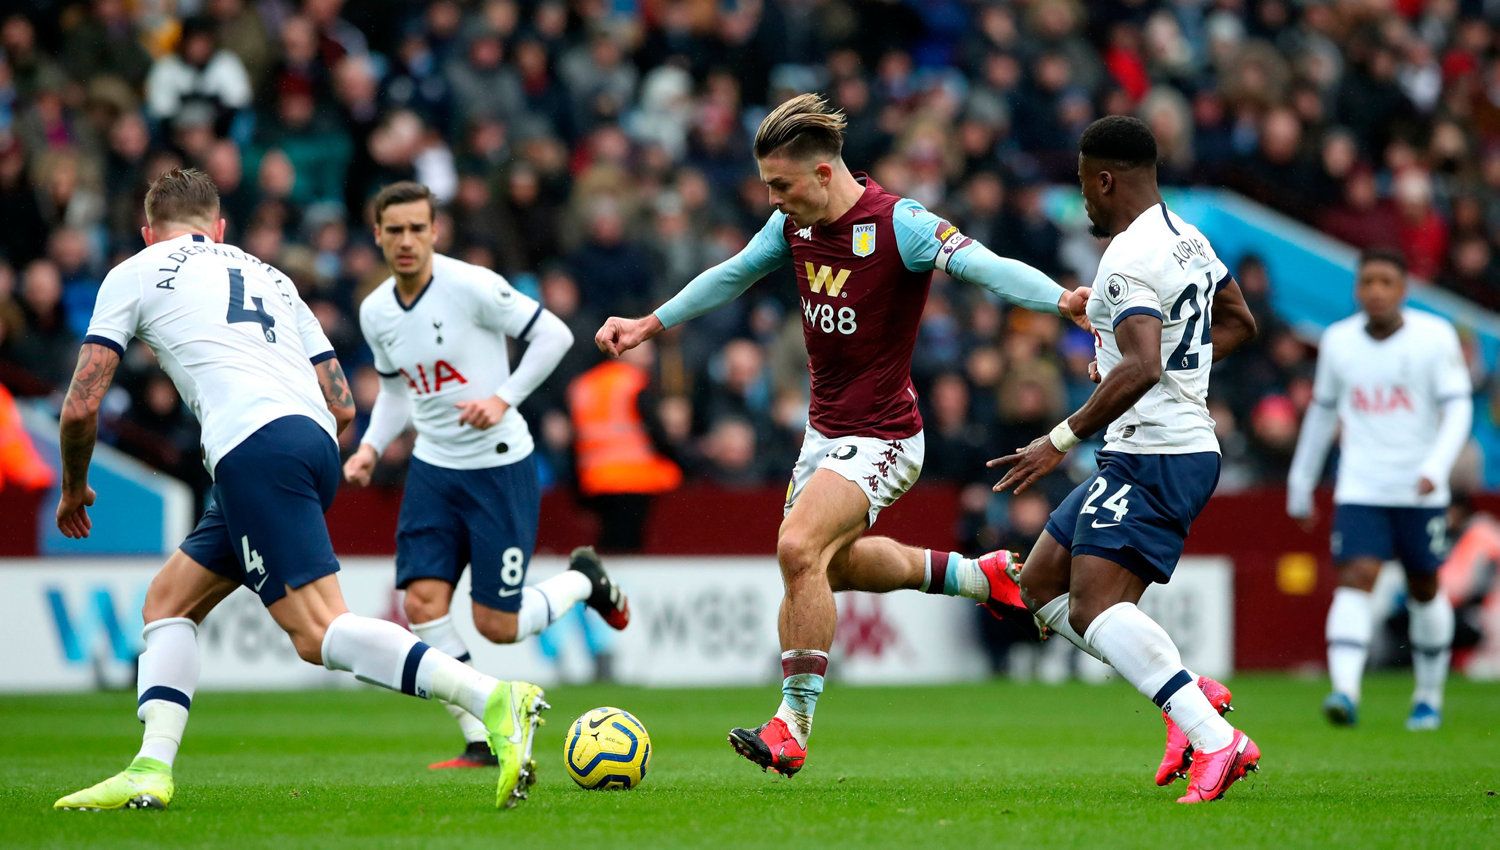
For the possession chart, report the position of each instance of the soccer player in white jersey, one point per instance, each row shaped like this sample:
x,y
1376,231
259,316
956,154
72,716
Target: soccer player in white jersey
x,y
437,328
251,361
1394,379
1163,309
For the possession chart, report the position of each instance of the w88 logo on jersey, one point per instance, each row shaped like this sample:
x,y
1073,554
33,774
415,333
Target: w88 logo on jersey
x,y
830,319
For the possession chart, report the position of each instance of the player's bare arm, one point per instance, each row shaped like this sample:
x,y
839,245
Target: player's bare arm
x,y
78,430
1139,338
336,392
1233,323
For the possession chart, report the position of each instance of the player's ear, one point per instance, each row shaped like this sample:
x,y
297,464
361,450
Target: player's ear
x,y
146,234
825,173
219,230
1106,182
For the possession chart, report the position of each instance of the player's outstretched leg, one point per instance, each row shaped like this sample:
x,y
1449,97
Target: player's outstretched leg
x,y
604,596
166,679
1431,635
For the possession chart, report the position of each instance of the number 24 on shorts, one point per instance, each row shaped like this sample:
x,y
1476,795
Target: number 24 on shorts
x,y
1116,504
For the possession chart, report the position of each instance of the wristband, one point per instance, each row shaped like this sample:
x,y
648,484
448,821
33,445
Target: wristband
x,y
1062,437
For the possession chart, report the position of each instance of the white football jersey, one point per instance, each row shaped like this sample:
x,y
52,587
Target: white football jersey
x,y
1164,267
450,346
1389,394
229,329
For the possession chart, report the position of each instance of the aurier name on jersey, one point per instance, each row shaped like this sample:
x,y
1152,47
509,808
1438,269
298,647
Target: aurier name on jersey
x,y
1389,395
1161,266
229,329
449,346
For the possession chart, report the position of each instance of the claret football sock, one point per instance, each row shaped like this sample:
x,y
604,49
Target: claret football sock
x,y
1145,656
440,634
1350,625
1431,634
166,678
382,653
951,574
802,671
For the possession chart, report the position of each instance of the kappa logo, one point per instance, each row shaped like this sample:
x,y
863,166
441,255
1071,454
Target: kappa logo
x,y
864,240
804,232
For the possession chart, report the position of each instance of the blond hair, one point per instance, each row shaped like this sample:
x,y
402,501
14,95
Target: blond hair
x,y
803,127
184,196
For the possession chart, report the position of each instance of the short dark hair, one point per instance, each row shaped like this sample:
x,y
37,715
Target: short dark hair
x,y
182,195
803,127
1119,138
403,192
1383,255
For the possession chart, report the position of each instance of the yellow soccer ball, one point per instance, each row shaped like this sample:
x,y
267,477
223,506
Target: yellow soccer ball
x,y
607,748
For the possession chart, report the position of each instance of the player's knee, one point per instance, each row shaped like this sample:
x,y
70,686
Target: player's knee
x,y
309,644
1422,588
1037,591
497,627
423,609
797,555
1359,574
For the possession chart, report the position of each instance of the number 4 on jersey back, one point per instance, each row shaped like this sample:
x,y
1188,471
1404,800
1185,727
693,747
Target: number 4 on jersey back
x,y
239,313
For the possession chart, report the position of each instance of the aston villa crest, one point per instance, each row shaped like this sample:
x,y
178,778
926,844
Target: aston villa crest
x,y
864,240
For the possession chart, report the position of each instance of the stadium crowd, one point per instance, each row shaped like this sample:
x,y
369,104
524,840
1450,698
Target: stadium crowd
x,y
597,154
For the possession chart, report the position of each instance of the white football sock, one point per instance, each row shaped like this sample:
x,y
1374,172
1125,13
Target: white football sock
x,y
166,677
440,634
382,653
1431,633
1145,656
543,602
1055,615
1351,622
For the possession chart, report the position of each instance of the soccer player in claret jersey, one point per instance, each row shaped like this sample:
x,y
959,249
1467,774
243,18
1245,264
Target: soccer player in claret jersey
x,y
1394,379
1163,308
864,259
251,361
437,328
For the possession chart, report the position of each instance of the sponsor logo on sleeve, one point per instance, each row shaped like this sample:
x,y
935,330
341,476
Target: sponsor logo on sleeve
x,y
1114,288
952,241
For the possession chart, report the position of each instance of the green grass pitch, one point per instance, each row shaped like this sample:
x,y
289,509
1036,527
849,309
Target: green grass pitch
x,y
996,764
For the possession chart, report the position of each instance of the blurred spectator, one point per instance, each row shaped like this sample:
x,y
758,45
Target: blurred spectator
x,y
619,469
198,74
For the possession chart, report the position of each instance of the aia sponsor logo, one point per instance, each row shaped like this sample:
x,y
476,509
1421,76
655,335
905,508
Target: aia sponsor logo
x,y
1381,400
425,382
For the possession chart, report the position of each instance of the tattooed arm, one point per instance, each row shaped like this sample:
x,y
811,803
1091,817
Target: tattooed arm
x,y
79,427
336,391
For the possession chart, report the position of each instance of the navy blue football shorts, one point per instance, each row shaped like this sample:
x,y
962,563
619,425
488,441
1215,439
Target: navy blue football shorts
x,y
264,525
1136,510
451,518
1417,537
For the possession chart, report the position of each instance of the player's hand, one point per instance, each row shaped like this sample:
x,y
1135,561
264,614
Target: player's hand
x,y
1425,486
482,413
1094,371
1030,465
72,512
618,335
1308,521
1074,306
360,465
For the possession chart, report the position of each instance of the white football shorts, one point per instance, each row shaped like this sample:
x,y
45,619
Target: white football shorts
x,y
883,469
